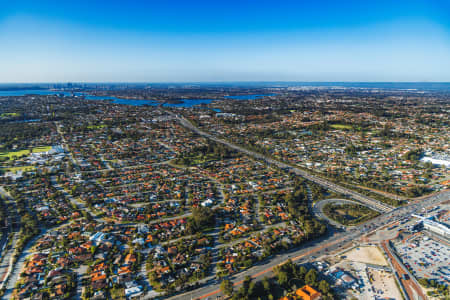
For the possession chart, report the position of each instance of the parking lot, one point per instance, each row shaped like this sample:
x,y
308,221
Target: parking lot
x,y
426,258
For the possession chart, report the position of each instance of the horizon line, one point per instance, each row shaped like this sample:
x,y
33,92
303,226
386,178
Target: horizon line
x,y
225,81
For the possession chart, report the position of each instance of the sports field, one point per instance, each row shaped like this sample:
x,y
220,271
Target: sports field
x,y
12,155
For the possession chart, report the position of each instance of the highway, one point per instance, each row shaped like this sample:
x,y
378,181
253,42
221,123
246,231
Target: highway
x,y
319,247
372,203
13,224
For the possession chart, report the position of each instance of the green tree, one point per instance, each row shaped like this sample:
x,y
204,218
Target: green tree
x,y
311,277
266,284
282,278
202,217
226,287
324,287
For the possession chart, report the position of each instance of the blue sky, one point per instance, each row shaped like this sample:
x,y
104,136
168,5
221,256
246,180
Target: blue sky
x,y
168,41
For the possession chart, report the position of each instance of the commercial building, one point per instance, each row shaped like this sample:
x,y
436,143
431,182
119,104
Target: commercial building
x,y
437,228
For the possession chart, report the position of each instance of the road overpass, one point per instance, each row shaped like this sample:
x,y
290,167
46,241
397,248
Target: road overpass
x,y
316,248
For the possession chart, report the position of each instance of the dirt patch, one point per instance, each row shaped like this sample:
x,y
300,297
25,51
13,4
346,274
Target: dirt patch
x,y
368,255
384,284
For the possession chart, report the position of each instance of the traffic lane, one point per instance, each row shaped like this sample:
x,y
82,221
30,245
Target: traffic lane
x,y
333,242
378,222
358,232
381,221
303,173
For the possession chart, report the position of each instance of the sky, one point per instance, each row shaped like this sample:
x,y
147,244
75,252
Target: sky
x,y
214,41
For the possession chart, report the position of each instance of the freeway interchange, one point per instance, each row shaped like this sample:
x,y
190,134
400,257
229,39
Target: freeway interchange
x,y
318,209
313,249
332,242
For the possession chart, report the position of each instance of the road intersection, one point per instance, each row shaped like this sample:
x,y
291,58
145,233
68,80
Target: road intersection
x,y
319,247
332,242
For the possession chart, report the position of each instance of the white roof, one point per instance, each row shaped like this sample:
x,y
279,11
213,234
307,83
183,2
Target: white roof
x,y
133,290
441,226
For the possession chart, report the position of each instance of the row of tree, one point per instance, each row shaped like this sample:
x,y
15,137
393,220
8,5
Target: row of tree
x,y
288,278
210,151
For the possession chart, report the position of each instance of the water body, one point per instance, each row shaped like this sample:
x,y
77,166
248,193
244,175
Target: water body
x,y
420,86
185,103
189,102
87,97
123,101
27,121
29,92
115,100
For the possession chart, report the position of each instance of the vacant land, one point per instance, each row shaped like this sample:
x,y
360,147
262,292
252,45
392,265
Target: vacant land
x,y
384,284
368,255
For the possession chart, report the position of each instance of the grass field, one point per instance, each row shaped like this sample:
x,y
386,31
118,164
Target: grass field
x,y
42,149
20,153
341,126
14,154
17,169
349,214
96,126
5,115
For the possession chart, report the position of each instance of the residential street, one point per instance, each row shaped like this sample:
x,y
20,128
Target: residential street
x,y
318,247
372,203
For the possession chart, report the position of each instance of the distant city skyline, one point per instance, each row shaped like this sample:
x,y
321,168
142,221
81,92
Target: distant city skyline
x,y
202,41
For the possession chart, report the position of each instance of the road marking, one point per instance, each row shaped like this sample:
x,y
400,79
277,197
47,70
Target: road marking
x,y
271,268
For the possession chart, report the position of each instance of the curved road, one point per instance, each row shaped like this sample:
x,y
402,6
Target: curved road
x,y
318,247
318,210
